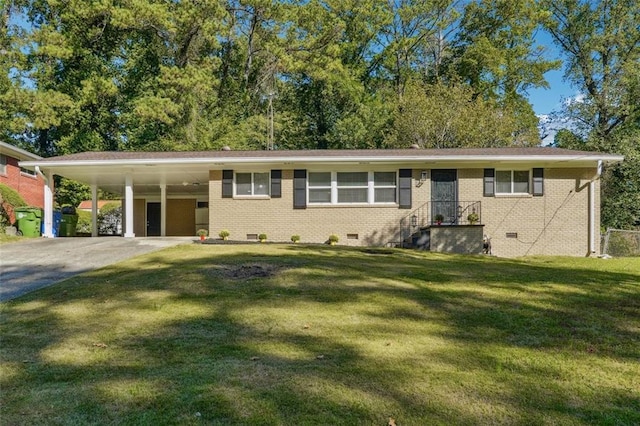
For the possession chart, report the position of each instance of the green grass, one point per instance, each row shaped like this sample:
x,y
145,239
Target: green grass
x,y
5,239
198,335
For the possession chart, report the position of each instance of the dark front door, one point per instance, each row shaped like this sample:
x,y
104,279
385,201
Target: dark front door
x,y
444,195
153,219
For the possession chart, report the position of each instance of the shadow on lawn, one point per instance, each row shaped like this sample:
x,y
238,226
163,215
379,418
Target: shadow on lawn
x,y
236,361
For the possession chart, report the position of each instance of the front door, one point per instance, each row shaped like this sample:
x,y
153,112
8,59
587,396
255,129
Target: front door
x,y
444,196
153,219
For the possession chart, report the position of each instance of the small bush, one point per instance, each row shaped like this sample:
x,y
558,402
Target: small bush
x,y
295,238
333,238
224,234
110,219
262,237
9,200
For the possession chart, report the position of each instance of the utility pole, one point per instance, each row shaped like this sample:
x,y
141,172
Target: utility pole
x,y
270,141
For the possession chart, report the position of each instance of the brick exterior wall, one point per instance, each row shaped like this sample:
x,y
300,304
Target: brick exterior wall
x,y
31,188
374,225
554,224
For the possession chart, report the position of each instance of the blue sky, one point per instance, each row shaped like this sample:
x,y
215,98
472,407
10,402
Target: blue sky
x,y
545,101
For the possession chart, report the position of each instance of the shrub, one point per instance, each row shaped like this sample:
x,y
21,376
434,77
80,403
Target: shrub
x,y
295,238
262,237
9,200
224,234
110,219
333,238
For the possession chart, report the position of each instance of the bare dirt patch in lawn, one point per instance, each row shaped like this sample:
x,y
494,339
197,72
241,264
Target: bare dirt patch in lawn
x,y
245,271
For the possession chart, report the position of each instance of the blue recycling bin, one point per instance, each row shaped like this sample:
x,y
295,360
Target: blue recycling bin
x,y
57,218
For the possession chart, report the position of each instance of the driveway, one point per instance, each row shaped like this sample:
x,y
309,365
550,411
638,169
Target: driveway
x,y
36,263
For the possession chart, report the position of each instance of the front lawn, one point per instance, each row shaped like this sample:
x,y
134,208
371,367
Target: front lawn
x,y
294,335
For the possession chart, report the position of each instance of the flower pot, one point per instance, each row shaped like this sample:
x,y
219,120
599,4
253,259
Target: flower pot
x,y
202,237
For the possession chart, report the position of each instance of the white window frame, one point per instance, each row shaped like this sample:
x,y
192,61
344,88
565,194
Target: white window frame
x,y
511,182
253,182
371,187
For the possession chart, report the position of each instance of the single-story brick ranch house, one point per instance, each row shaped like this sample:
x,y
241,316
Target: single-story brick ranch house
x,y
525,200
25,181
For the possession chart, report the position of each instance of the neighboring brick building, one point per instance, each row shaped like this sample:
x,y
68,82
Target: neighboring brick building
x,y
25,181
526,200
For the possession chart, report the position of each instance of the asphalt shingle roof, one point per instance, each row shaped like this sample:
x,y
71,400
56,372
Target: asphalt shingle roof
x,y
328,154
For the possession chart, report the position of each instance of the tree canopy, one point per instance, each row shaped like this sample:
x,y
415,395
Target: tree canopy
x,y
261,74
178,75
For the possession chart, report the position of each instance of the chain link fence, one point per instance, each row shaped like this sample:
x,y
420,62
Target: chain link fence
x,y
620,243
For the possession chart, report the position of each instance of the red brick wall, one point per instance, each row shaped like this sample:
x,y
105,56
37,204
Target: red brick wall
x,y
31,188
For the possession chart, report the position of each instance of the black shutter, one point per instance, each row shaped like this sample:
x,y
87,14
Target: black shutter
x,y
227,184
489,179
538,182
404,188
276,183
299,189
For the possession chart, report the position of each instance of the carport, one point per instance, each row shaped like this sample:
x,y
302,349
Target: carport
x,y
140,178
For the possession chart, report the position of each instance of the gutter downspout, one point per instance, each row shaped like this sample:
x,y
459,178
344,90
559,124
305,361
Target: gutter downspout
x,y
48,204
592,209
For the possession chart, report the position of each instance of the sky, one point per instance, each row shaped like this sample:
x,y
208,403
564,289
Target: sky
x,y
545,101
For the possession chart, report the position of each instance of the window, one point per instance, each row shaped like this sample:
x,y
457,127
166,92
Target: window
x,y
27,172
320,187
512,181
3,165
384,187
352,187
252,184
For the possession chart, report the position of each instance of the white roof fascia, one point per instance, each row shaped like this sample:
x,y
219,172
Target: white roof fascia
x,y
320,159
15,152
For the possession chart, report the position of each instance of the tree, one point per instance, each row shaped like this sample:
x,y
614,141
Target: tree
x,y
601,41
451,116
498,57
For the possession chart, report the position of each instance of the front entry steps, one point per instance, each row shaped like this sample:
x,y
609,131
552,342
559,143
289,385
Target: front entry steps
x,y
464,239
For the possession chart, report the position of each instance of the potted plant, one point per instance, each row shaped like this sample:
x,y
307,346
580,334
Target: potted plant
x,y
473,218
333,239
224,234
295,238
202,233
262,237
439,218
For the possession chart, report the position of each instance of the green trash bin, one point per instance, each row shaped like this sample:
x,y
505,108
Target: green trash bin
x,y
28,221
68,225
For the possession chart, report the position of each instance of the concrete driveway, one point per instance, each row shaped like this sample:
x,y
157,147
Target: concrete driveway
x,y
36,263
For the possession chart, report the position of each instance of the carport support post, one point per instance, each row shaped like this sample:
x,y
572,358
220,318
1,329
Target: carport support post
x,y
128,207
48,206
163,210
94,210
